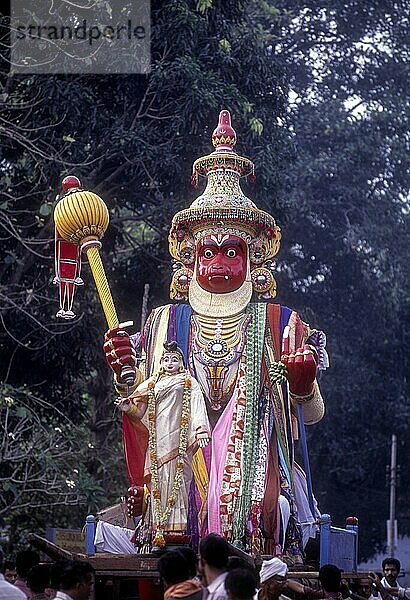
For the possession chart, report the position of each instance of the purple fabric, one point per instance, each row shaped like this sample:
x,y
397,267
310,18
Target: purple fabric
x,y
285,314
192,525
172,331
207,452
318,340
179,327
136,342
183,314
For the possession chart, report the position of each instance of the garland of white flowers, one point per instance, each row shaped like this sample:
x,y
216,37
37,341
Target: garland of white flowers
x,y
162,513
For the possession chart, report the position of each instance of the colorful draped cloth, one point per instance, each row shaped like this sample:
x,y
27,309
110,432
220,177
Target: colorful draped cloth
x,y
250,460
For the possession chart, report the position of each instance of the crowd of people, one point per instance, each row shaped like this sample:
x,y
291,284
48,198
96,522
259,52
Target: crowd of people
x,y
219,576
215,575
28,579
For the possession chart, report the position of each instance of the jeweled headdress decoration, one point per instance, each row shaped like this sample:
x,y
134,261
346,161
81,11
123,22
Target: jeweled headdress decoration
x,y
223,205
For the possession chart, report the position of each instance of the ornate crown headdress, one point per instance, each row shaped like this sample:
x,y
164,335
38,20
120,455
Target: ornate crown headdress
x,y
224,206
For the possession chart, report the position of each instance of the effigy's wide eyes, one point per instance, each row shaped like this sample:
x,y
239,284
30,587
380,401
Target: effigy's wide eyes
x,y
208,253
231,253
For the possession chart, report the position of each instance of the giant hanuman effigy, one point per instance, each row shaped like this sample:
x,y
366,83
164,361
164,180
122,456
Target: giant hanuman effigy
x,y
211,420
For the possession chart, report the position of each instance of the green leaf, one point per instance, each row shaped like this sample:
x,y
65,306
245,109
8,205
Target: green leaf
x,y
68,138
225,45
247,107
203,5
256,125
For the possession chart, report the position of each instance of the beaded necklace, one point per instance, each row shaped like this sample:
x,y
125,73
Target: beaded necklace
x,y
162,513
254,357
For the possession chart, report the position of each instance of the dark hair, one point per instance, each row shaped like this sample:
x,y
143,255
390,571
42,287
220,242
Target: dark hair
x,y
173,347
6,563
330,577
178,565
72,572
241,584
191,559
24,561
9,563
392,561
214,550
55,571
236,562
38,578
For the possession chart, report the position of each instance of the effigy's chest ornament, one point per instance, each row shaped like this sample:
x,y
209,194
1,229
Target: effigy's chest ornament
x,y
223,207
217,346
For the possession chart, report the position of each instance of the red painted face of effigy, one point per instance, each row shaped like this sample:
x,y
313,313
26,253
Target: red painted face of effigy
x,y
221,263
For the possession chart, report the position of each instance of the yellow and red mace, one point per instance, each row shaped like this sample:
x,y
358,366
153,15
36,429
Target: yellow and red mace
x,y
81,219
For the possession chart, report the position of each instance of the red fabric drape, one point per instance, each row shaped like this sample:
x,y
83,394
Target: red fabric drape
x,y
273,314
135,437
270,501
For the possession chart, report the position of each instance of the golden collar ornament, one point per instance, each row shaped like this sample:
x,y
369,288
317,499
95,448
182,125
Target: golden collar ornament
x,y
220,305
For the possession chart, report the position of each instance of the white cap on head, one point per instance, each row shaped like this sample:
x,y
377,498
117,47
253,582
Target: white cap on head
x,y
272,567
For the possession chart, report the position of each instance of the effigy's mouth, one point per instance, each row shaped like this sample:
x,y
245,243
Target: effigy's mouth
x,y
218,276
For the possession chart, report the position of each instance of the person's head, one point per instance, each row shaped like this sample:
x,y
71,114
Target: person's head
x,y
38,578
240,584
25,560
172,360
273,576
75,578
191,559
391,568
214,552
9,570
364,587
330,578
237,562
55,571
178,565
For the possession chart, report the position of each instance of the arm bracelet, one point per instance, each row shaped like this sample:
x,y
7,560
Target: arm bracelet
x,y
304,399
125,390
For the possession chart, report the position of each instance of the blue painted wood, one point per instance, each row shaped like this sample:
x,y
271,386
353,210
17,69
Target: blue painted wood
x,y
325,522
305,455
89,534
338,546
355,529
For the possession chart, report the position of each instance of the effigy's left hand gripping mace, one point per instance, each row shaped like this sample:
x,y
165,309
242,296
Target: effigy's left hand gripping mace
x,y
81,219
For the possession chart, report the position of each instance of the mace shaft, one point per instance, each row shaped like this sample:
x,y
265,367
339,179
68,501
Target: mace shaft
x,y
103,288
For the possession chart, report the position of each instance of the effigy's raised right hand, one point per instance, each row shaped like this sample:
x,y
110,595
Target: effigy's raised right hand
x,y
119,351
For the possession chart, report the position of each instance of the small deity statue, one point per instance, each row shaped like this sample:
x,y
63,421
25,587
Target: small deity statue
x,y
171,406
